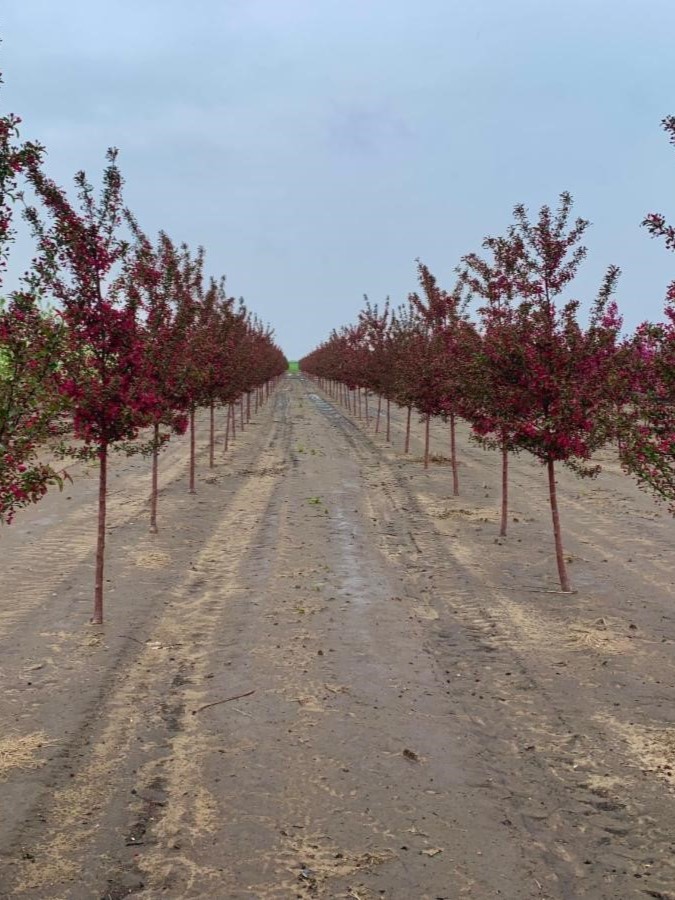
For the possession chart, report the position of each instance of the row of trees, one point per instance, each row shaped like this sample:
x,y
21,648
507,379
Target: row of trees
x,y
111,341
500,350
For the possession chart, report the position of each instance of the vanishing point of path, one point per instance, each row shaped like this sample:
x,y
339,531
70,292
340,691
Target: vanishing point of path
x,y
322,679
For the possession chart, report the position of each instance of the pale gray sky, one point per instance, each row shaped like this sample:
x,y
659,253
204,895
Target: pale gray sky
x,y
317,147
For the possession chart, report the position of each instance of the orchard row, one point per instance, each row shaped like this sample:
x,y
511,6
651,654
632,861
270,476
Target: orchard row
x,y
500,350
111,341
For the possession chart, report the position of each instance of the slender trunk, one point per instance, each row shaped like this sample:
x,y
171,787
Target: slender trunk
x,y
366,405
379,410
153,489
407,430
212,435
226,442
358,395
248,407
505,488
255,408
192,451
560,558
234,422
97,618
241,411
453,454
388,421
426,441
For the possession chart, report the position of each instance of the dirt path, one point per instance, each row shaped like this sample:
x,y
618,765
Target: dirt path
x,y
416,718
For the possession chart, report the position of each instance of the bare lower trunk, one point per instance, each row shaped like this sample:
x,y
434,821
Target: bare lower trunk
x,y
426,441
453,455
226,442
379,410
234,422
212,435
192,451
97,618
505,489
153,489
241,411
248,407
406,449
388,421
560,558
366,405
257,393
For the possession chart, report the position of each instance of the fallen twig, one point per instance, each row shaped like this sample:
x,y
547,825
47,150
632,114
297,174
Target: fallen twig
x,y
548,591
226,700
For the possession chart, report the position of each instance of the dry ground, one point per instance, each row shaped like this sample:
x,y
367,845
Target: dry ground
x,y
424,716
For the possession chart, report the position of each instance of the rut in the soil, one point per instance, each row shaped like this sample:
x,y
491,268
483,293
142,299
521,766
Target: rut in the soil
x,y
327,690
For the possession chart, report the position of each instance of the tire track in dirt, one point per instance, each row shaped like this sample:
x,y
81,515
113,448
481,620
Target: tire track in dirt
x,y
566,750
330,795
85,809
511,788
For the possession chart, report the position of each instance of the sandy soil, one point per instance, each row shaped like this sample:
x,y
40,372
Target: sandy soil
x,y
419,716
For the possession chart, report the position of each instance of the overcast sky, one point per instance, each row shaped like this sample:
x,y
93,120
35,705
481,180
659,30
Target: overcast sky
x,y
317,147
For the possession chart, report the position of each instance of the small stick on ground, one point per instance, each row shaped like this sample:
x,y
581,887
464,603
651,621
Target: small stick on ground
x,y
547,591
226,700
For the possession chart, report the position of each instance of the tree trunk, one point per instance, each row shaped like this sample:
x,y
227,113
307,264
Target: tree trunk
x,y
241,411
192,451
426,441
366,405
234,422
255,408
505,489
212,435
407,430
560,558
248,407
226,442
153,489
453,453
97,618
388,421
379,410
